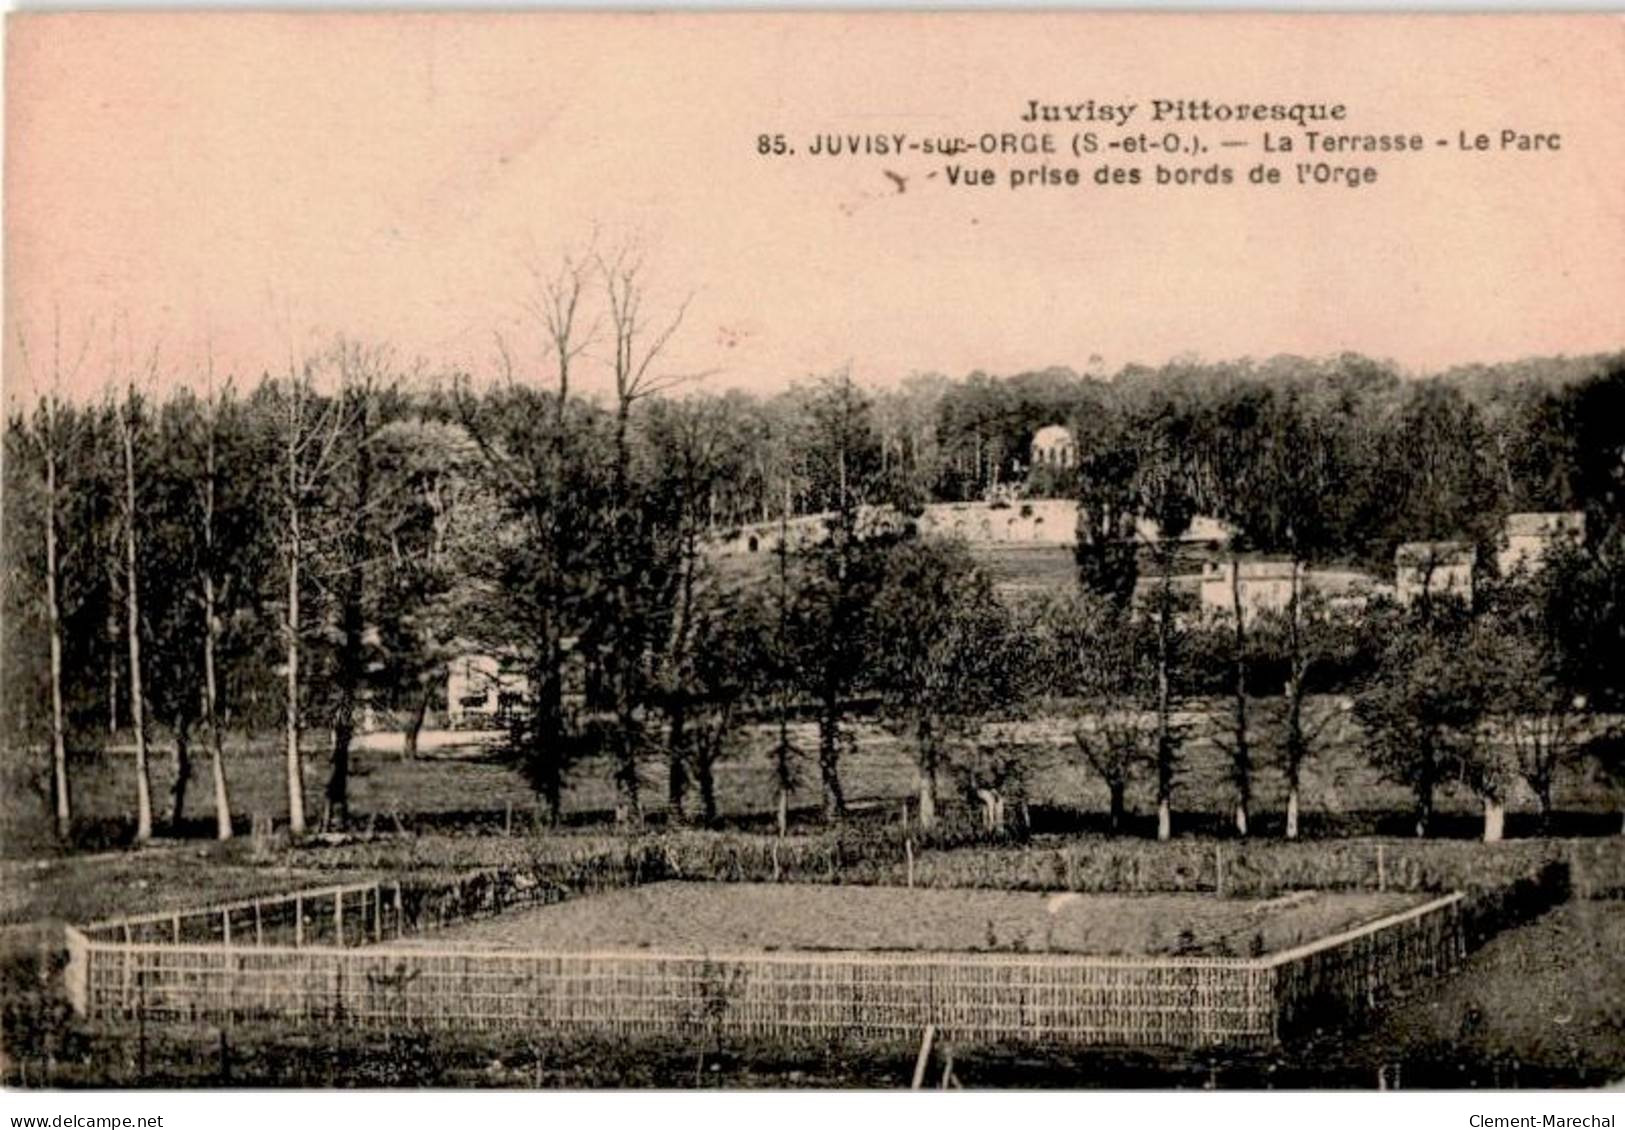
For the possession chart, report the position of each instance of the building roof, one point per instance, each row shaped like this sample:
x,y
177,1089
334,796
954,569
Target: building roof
x,y
1052,434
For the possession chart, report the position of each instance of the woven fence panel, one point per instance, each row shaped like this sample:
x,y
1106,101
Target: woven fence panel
x,y
1332,982
972,998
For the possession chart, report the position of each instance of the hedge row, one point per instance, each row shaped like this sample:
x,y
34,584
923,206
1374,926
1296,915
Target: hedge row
x,y
1116,865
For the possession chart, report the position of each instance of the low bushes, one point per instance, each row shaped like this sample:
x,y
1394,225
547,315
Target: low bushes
x,y
880,855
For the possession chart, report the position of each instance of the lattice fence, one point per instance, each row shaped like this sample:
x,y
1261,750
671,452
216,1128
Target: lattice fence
x,y
327,960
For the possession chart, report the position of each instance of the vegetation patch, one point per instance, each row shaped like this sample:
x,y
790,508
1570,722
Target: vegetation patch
x,y
686,916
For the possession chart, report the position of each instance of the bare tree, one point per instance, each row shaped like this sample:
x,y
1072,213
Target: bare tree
x,y
46,427
312,427
365,385
639,343
524,438
211,612
129,424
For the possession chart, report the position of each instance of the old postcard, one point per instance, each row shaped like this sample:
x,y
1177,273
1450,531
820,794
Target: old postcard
x,y
814,550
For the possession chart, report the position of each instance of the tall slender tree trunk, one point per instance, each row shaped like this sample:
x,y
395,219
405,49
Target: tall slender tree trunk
x,y
211,633
1424,803
626,644
706,778
351,658
1292,806
293,763
783,766
547,732
677,756
1240,753
211,712
1165,734
829,755
1119,804
183,771
1543,796
132,604
111,630
677,737
414,727
53,607
928,778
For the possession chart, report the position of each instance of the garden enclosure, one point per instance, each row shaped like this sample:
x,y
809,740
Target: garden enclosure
x,y
337,957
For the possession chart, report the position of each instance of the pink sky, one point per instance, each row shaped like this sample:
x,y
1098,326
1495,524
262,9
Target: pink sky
x,y
264,181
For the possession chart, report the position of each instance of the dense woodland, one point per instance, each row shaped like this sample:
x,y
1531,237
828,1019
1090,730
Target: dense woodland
x,y
281,554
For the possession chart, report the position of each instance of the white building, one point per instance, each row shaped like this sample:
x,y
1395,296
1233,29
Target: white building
x,y
483,691
1054,446
1527,539
1266,586
1262,586
1434,568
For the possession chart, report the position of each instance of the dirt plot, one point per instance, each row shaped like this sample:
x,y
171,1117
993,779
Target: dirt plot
x,y
765,916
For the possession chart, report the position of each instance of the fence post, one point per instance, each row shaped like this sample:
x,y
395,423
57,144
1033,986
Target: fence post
x,y
338,915
175,921
924,1057
1382,870
908,847
259,930
225,925
298,920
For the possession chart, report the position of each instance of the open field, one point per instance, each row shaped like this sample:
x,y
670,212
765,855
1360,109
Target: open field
x,y
459,785
681,917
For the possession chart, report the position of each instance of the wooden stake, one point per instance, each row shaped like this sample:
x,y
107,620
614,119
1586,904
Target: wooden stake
x,y
924,1056
908,847
1382,871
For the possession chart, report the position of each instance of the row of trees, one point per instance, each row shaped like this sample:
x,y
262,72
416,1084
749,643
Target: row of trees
x,y
297,553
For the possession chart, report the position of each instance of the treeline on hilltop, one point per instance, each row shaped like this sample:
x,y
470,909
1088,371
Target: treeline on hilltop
x,y
284,555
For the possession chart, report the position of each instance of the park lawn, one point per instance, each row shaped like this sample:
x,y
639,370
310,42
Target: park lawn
x,y
469,786
86,888
1542,1005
